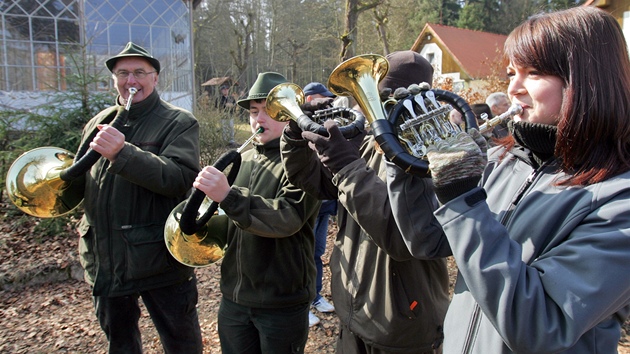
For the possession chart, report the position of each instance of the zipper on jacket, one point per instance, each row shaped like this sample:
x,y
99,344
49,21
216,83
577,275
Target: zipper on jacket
x,y
472,329
476,315
523,191
239,267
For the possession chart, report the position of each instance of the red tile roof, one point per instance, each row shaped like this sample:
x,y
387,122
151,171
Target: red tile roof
x,y
474,51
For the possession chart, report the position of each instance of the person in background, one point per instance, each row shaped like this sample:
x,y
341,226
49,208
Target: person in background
x,y
455,117
145,171
386,301
539,226
227,105
328,208
499,103
268,271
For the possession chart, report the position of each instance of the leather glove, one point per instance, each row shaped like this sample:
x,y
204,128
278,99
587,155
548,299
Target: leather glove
x,y
457,164
335,151
293,131
316,104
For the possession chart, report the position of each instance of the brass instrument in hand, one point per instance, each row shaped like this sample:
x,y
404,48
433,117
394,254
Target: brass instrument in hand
x,y
185,233
283,104
417,119
39,182
505,116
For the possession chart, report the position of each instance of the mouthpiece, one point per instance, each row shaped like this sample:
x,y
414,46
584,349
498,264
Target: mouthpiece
x,y
249,140
132,92
511,112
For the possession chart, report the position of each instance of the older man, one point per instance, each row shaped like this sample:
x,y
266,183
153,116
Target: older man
x,y
145,171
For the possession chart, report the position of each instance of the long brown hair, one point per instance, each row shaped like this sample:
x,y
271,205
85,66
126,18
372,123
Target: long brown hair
x,y
585,47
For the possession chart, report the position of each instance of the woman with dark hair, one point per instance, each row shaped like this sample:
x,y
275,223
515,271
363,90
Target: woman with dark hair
x,y
541,232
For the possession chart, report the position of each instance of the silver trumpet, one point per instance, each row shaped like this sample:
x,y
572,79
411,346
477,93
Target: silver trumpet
x,y
507,115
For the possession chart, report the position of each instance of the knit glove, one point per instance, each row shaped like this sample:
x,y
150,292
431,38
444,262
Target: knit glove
x,y
335,151
457,164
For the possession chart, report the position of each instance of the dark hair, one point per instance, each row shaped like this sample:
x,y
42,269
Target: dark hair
x,y
585,47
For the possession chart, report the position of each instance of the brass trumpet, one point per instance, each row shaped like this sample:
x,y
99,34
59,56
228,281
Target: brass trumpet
x,y
39,182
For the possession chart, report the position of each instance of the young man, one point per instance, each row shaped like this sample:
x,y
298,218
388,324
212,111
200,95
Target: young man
x,y
268,271
144,172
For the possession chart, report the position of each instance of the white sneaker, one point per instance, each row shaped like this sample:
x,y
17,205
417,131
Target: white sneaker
x,y
312,319
322,305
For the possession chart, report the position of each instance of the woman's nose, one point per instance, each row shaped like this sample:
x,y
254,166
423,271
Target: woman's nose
x,y
515,87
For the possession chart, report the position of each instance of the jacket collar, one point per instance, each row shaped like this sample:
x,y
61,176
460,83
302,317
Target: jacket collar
x,y
139,109
269,146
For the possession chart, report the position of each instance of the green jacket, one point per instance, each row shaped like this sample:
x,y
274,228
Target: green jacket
x,y
126,203
268,229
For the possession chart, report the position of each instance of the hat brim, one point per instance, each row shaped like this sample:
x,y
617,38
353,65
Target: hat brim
x,y
245,101
111,62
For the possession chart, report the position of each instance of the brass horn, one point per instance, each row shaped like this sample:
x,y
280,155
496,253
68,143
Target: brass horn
x,y
185,233
283,104
39,182
359,77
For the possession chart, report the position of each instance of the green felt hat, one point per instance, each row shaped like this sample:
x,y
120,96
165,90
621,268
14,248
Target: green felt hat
x,y
133,50
261,87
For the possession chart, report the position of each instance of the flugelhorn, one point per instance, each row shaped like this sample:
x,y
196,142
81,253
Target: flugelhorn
x,y
39,182
283,104
185,234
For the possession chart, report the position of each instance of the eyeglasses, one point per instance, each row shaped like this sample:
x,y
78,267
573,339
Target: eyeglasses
x,y
138,74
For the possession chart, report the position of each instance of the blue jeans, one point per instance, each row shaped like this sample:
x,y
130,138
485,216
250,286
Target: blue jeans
x,y
247,330
328,208
321,232
173,312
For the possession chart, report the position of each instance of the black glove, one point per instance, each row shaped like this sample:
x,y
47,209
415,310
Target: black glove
x,y
457,164
335,151
316,104
293,131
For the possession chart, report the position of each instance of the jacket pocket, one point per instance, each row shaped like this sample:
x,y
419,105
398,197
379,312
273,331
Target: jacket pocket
x,y
407,305
86,253
146,253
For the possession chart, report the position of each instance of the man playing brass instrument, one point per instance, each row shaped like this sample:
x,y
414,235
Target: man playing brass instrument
x,y
268,271
386,300
145,172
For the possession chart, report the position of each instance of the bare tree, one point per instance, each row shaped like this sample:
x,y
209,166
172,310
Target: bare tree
x,y
381,16
348,38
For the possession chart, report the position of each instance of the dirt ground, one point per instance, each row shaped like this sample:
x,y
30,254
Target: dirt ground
x,y
45,308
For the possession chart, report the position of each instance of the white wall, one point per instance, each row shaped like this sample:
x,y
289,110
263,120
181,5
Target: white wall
x,y
433,54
